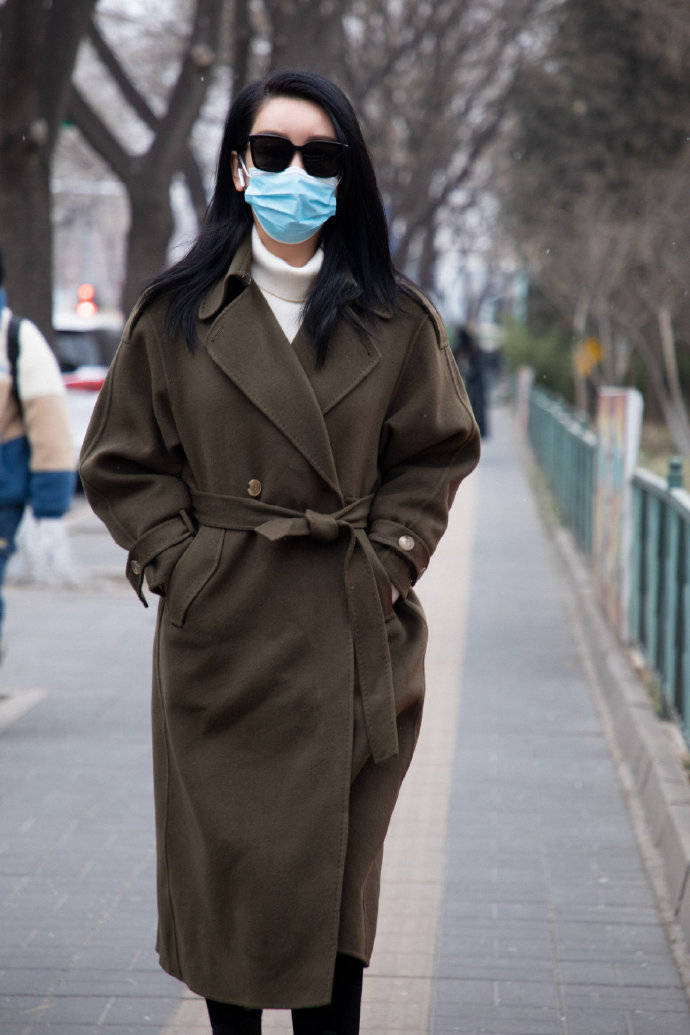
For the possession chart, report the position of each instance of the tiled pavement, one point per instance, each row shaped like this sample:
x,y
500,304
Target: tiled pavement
x,y
514,897
549,924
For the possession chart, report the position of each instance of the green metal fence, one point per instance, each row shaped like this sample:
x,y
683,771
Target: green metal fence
x,y
566,451
660,583
659,611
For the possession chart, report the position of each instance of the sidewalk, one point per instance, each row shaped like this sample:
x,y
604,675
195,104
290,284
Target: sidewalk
x,y
515,901
549,923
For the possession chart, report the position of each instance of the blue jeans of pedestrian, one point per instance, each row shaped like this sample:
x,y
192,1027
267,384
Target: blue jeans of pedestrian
x,y
10,516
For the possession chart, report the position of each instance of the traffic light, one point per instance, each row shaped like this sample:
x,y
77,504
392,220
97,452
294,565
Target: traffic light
x,y
86,306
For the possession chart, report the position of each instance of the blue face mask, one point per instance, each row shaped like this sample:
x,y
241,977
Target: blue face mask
x,y
290,205
3,298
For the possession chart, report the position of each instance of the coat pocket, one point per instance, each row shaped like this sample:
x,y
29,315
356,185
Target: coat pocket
x,y
194,570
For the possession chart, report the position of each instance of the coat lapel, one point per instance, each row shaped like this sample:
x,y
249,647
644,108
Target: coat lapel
x,y
350,360
249,347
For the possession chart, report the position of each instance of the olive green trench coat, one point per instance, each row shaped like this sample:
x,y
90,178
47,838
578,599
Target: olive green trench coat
x,y
273,505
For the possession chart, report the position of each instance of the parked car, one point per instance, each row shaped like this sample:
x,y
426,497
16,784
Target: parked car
x,y
84,347
86,340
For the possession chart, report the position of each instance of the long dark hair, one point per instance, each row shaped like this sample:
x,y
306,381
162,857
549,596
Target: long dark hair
x,y
357,275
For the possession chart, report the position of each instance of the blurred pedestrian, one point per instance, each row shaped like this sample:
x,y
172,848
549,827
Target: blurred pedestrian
x,y
37,463
470,360
277,445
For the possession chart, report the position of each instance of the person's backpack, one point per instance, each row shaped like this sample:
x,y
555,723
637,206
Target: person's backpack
x,y
13,356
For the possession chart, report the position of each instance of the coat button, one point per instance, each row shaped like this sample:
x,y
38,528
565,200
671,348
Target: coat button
x,y
254,488
406,542
136,567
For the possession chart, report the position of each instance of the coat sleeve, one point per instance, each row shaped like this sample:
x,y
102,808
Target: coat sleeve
x,y
132,458
430,442
46,421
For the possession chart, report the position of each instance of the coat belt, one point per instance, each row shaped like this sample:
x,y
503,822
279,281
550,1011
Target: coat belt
x,y
366,616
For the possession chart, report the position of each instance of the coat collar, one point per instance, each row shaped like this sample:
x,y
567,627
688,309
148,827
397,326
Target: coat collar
x,y
240,270
281,378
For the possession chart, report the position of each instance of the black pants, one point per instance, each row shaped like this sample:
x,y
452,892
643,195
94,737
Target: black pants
x,y
340,1017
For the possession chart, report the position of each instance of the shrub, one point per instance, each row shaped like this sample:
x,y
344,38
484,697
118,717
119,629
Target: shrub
x,y
549,354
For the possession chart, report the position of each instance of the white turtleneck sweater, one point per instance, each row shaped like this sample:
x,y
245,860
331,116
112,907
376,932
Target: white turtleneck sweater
x,y
284,287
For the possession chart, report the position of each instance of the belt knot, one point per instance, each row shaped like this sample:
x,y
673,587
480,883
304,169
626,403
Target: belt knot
x,y
323,527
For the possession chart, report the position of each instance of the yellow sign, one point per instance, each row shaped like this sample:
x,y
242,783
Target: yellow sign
x,y
588,354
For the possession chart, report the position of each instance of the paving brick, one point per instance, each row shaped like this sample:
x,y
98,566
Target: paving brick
x,y
473,1019
536,794
477,965
604,1022
661,999
649,1023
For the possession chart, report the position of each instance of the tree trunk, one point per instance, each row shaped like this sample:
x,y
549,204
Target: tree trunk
x,y
675,417
27,236
403,247
608,363
670,358
319,41
24,167
150,229
195,185
427,260
38,48
86,119
241,45
147,177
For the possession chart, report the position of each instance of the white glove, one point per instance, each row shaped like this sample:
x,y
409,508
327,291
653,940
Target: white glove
x,y
48,551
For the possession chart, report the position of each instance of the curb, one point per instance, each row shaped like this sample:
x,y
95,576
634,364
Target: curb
x,y
648,746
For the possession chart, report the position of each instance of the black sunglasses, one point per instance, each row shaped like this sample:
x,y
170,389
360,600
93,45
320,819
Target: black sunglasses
x,y
323,158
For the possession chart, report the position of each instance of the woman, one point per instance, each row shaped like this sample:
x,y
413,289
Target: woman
x,y
277,445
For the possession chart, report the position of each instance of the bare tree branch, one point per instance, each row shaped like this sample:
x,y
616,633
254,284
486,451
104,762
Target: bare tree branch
x,y
36,57
140,105
66,23
98,136
242,35
189,90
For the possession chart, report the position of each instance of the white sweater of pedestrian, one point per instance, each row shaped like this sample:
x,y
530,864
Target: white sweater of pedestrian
x,y
284,287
